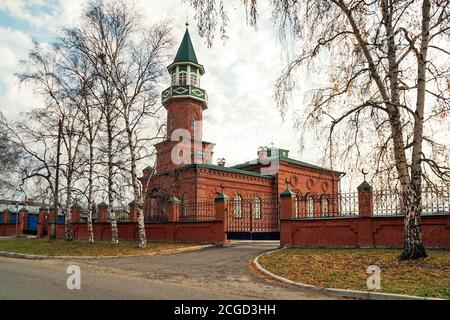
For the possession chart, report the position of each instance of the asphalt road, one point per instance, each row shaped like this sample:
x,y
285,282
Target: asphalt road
x,y
212,273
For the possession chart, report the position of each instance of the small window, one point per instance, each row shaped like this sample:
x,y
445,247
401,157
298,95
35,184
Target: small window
x,y
238,207
174,79
257,204
194,126
182,79
194,79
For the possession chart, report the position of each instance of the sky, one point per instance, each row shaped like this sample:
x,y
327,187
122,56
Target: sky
x,y
240,73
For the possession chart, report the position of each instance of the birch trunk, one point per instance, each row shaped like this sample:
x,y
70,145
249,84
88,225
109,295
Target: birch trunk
x,y
90,192
413,245
112,215
137,190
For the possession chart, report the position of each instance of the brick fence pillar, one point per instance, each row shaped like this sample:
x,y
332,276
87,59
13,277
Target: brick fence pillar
x,y
102,212
133,211
23,214
173,208
6,216
365,200
41,222
76,212
287,205
51,229
221,205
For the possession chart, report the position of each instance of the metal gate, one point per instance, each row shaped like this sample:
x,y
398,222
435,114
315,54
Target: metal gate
x,y
253,219
32,223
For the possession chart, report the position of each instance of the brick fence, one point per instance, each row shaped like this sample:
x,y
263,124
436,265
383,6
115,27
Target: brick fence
x,y
173,230
363,229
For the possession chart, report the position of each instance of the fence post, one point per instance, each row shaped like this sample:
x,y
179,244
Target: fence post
x,y
365,200
76,212
102,212
287,204
221,204
173,209
41,222
133,211
51,222
6,216
22,220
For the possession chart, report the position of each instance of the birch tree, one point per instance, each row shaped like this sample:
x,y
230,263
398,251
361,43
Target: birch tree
x,y
131,58
385,68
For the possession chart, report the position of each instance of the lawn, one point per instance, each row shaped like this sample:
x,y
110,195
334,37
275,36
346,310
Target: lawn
x,y
83,248
346,269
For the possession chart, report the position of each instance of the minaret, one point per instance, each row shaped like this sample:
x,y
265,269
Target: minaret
x,y
185,102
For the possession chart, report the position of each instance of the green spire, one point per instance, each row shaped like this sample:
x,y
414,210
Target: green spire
x,y
186,51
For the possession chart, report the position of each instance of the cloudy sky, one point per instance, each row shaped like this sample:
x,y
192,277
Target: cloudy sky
x,y
240,73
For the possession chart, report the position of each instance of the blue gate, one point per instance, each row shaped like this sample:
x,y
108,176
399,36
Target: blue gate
x,y
12,218
1,217
60,219
32,223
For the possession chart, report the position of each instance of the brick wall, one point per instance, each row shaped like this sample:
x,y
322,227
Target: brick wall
x,y
362,232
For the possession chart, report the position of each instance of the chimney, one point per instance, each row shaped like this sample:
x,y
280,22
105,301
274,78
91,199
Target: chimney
x,y
221,162
262,154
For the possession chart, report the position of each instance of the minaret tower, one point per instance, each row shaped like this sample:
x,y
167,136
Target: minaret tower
x,y
185,102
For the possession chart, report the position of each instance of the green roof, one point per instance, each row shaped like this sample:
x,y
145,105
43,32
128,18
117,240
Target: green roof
x,y
288,160
186,51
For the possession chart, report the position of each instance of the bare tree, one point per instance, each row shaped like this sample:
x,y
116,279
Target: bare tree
x,y
386,68
127,60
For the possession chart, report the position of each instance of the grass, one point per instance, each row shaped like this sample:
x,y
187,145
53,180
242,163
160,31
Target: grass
x,y
83,248
346,269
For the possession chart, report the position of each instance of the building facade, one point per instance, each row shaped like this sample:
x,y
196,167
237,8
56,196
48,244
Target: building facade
x,y
184,166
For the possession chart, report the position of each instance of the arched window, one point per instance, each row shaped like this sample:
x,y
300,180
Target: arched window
x,y
174,79
310,205
194,80
257,207
325,206
194,125
238,206
182,81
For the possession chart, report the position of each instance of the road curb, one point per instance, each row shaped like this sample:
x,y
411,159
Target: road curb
x,y
16,255
343,293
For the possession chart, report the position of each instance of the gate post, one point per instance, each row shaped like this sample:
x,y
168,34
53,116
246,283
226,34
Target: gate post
x,y
133,211
287,204
221,205
6,216
365,200
76,212
102,212
173,209
51,226
41,222
22,220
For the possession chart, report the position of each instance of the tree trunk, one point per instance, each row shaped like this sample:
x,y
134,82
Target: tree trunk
x,y
67,208
413,247
112,215
90,192
137,192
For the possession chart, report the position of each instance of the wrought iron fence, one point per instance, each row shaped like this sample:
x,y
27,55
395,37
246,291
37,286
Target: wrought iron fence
x,y
253,215
156,211
435,200
197,211
326,205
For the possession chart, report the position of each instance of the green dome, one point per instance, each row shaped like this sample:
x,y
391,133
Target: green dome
x,y
186,51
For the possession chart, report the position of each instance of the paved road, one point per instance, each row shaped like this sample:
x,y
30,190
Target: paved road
x,y
213,273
